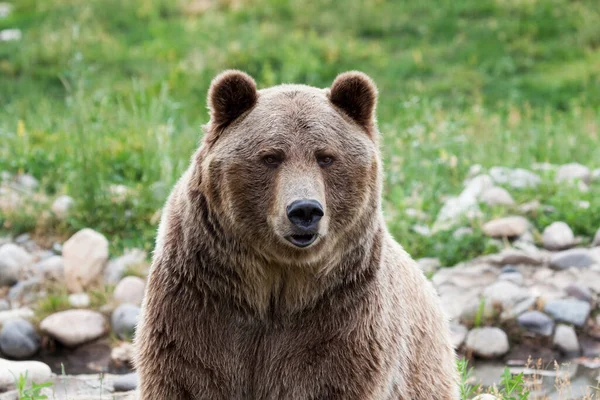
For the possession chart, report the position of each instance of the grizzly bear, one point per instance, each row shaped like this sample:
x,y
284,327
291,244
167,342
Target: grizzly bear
x,y
274,276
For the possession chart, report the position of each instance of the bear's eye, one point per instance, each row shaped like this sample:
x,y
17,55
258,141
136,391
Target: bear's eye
x,y
271,160
324,160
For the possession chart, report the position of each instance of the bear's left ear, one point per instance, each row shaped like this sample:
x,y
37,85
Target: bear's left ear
x,y
230,95
356,95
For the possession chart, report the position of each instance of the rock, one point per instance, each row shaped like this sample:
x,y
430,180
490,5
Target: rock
x,y
497,196
573,172
131,259
478,307
505,293
25,313
26,181
536,322
595,176
571,311
487,342
52,268
124,320
454,210
84,255
578,258
477,186
24,292
516,178
596,241
4,305
506,227
19,339
130,290
514,277
74,327
558,236
518,309
62,205
79,300
429,265
37,372
123,354
458,333
127,382
565,339
517,257
579,292
13,261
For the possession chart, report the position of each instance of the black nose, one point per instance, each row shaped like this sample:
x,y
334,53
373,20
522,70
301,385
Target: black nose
x,y
305,213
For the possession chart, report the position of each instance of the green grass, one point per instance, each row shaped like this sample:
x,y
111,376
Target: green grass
x,y
106,92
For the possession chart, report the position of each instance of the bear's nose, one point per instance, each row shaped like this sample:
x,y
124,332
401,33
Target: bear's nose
x,y
305,213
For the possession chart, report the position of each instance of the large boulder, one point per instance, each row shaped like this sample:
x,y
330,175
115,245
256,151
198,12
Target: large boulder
x,y
84,255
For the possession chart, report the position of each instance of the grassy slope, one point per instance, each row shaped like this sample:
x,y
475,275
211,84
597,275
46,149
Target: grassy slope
x,y
106,92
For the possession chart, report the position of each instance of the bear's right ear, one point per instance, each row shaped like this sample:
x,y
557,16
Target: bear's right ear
x,y
356,95
231,94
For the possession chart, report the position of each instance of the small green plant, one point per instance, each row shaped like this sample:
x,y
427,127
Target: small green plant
x,y
478,320
467,390
513,386
33,392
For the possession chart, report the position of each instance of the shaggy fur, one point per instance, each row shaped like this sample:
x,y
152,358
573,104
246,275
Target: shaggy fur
x,y
235,311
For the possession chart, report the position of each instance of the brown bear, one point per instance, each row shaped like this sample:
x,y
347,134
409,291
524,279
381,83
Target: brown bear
x,y
274,276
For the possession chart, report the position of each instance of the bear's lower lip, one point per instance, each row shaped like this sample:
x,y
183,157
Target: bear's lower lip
x,y
302,240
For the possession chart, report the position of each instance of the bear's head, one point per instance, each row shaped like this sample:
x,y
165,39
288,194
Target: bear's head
x,y
292,171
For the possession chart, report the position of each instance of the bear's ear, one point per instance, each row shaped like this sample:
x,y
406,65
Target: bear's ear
x,y
231,94
356,95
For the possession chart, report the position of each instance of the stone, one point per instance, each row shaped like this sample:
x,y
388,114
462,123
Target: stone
x,y
458,333
130,259
477,186
565,339
123,354
573,172
25,313
506,227
19,339
84,255
497,196
478,307
571,311
124,320
514,277
4,305
536,322
578,258
505,293
487,342
74,327
26,181
454,210
517,257
52,268
37,372
596,241
130,290
558,236
127,382
79,300
14,260
61,206
429,264
579,292
518,178
25,292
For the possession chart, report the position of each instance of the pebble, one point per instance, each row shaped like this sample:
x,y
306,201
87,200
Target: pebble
x,y
74,327
84,255
578,258
52,268
37,372
558,236
565,339
573,172
25,292
115,268
487,342
536,322
506,227
130,290
79,300
497,196
571,311
13,261
19,339
124,320
61,206
127,382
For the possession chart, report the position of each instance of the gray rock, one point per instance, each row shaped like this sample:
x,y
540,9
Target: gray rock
x,y
130,290
4,305
565,339
536,322
27,182
62,206
508,269
579,292
19,339
596,241
37,372
516,178
25,313
571,311
52,268
458,333
487,342
13,261
115,268
514,277
124,320
517,257
506,227
558,236
497,196
505,293
578,258
74,327
573,172
127,382
24,292
429,265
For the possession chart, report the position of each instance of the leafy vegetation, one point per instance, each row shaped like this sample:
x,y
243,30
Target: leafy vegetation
x,y
104,92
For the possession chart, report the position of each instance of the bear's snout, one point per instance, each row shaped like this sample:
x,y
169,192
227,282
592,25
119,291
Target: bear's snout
x,y
305,216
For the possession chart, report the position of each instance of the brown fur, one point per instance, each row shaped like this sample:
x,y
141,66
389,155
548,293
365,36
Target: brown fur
x,y
234,311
